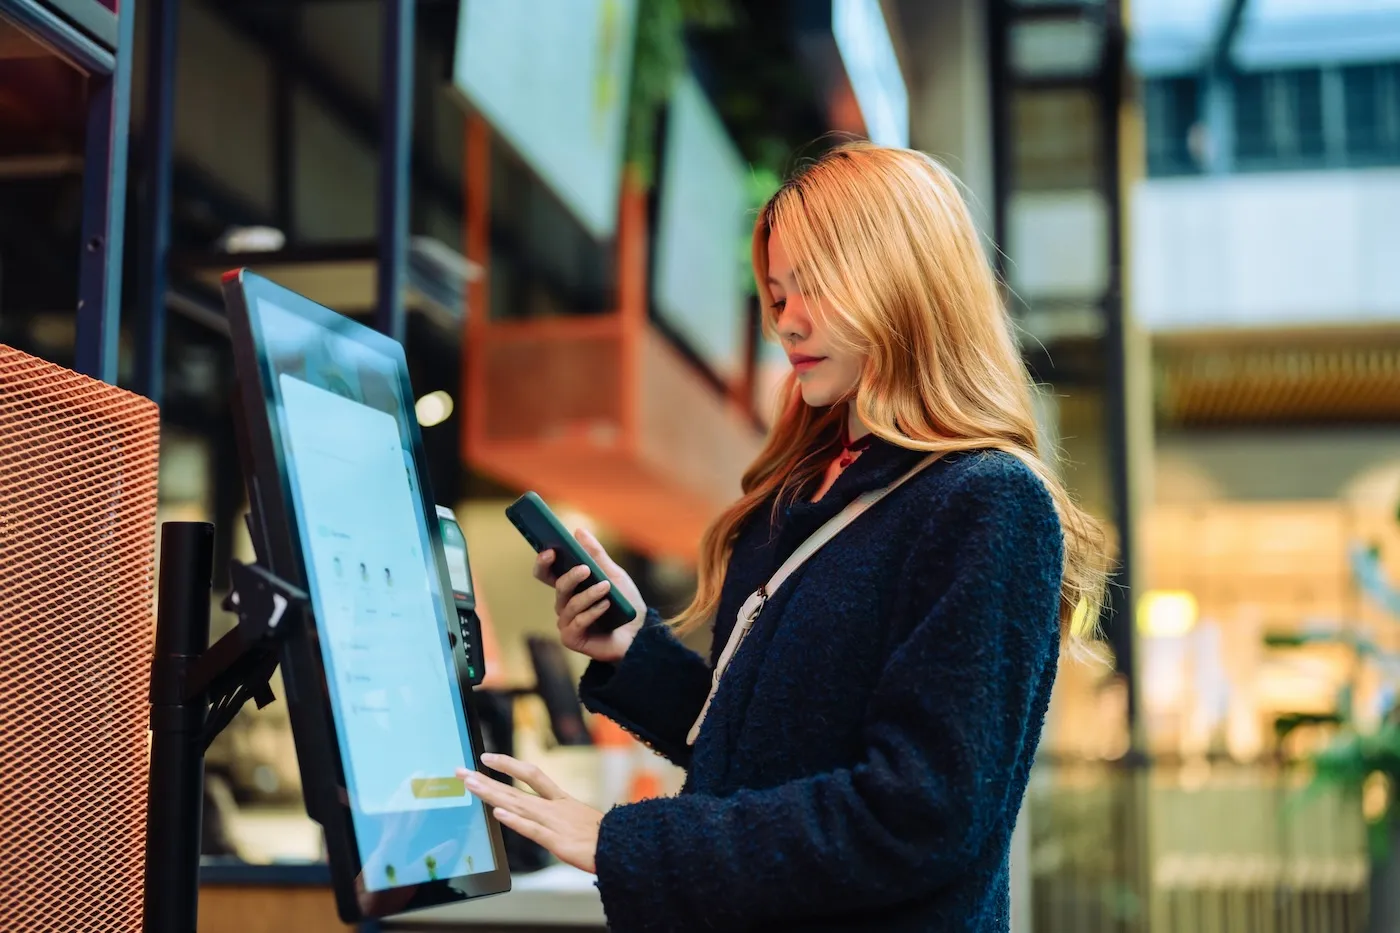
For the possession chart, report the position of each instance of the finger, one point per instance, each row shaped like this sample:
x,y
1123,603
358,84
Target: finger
x,y
535,832
580,623
531,774
595,550
496,794
564,587
587,599
544,567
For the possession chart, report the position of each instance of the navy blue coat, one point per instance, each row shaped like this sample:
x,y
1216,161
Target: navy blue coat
x,y
864,760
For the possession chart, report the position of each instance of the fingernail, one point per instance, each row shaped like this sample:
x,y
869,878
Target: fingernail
x,y
505,815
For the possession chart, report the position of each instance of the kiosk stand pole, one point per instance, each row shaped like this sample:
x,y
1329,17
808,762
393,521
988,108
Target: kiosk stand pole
x,y
196,690
175,805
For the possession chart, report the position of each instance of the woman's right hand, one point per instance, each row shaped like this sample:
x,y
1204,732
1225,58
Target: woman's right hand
x,y
577,611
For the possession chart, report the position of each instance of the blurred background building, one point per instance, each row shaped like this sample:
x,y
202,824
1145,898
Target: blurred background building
x,y
1195,206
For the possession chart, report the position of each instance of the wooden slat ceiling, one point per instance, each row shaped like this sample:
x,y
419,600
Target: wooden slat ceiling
x,y
1296,378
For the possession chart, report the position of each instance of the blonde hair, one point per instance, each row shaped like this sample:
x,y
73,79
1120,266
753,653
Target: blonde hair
x,y
885,239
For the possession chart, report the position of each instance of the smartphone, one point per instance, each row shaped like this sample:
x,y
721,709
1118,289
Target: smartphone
x,y
545,532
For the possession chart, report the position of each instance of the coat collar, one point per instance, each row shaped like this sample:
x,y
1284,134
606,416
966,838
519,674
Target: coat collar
x,y
881,464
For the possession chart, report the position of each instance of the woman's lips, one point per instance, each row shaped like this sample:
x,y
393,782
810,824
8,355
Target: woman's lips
x,y
802,364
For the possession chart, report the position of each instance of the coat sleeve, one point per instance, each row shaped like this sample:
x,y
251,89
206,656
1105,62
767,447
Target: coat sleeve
x,y
655,691
945,746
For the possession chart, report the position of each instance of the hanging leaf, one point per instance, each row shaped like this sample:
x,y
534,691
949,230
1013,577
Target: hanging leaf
x,y
658,62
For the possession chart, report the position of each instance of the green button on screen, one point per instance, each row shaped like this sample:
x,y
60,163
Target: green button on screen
x,y
439,787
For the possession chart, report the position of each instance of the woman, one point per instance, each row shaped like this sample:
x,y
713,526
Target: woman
x,y
863,759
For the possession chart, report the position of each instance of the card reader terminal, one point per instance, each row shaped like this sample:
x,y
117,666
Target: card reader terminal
x,y
467,638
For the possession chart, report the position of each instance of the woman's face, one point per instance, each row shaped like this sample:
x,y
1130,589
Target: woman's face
x,y
825,373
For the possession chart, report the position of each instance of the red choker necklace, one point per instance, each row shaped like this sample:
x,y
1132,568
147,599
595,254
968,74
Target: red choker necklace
x,y
850,449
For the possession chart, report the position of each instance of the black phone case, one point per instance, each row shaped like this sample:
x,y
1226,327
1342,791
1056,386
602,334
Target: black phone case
x,y
533,519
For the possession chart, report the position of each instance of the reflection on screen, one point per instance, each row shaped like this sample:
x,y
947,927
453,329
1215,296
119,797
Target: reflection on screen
x,y
369,562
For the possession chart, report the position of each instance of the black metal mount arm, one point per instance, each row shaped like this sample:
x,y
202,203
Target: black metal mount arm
x,y
239,666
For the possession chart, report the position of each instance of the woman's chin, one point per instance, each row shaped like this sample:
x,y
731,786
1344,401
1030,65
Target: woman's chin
x,y
818,396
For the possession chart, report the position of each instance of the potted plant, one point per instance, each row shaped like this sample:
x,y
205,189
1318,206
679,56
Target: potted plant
x,y
1362,760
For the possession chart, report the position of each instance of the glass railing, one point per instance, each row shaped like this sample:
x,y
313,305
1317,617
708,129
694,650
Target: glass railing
x,y
1191,847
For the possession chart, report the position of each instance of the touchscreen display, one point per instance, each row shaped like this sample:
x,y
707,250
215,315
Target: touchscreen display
x,y
378,601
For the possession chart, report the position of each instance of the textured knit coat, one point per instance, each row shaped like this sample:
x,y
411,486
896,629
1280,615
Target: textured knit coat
x,y
863,762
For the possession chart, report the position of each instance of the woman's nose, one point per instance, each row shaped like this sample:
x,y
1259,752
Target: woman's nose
x,y
792,324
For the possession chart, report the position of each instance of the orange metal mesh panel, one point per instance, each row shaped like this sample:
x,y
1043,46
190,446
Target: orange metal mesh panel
x,y
78,462
544,384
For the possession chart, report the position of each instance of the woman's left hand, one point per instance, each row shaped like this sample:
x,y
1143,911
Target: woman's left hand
x,y
553,819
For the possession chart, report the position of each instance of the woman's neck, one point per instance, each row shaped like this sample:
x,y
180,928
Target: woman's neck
x,y
855,428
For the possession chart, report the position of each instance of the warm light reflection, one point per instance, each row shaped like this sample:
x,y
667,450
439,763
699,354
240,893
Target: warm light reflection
x,y
1375,796
1166,613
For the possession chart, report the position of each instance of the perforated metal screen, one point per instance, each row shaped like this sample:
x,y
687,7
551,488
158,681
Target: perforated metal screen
x,y
78,463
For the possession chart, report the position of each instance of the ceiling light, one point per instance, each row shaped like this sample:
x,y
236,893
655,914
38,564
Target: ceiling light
x,y
433,408
252,240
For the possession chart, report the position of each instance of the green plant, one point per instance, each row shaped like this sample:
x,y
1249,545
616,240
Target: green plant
x,y
1352,762
1356,760
659,60
763,184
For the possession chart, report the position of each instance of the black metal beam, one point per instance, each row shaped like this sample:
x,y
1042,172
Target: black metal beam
x,y
153,247
1225,37
1120,629
396,109
1000,80
1217,90
284,150
104,211
1064,9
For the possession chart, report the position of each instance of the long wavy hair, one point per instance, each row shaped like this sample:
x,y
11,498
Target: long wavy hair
x,y
887,253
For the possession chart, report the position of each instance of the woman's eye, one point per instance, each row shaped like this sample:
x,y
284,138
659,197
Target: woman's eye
x,y
778,306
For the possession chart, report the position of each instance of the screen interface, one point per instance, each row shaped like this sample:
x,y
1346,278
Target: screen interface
x,y
454,545
378,600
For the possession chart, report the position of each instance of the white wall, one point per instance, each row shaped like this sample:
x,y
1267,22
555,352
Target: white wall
x,y
1341,463
1285,249
1058,244
945,55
